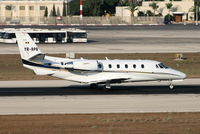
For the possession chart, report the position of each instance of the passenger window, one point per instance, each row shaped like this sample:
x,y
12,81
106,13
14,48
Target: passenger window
x,y
118,66
142,66
134,66
99,66
126,66
110,66
62,63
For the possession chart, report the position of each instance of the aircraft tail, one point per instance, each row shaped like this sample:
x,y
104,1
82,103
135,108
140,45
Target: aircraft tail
x,y
28,49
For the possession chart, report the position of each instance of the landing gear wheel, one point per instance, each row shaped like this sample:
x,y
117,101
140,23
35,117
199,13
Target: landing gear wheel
x,y
93,86
106,88
171,86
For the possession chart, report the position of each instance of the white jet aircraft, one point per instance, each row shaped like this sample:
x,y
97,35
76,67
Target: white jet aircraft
x,y
93,72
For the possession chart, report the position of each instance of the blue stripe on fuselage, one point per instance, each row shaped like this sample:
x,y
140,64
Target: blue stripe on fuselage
x,y
38,65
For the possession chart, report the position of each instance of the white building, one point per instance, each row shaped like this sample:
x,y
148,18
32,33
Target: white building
x,y
180,9
29,8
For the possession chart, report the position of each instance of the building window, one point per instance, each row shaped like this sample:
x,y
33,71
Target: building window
x,y
31,7
134,66
110,66
8,7
118,66
42,7
22,8
142,66
126,66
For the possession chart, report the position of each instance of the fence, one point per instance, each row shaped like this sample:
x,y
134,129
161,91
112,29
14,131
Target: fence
x,y
85,21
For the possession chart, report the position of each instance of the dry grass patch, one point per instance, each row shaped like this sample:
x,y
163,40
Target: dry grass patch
x,y
149,123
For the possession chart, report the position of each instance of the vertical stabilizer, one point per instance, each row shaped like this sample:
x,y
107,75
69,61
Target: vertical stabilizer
x,y
28,49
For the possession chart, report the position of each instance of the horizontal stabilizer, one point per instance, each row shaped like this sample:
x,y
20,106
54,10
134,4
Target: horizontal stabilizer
x,y
37,58
43,72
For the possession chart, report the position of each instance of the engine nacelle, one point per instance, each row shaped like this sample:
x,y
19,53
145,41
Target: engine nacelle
x,y
88,65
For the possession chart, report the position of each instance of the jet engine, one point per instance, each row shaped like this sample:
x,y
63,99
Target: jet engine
x,y
87,65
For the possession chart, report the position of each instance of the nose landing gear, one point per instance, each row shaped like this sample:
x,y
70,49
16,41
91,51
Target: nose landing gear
x,y
171,86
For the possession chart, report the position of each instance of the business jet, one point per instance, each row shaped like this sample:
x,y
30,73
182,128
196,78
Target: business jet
x,y
93,72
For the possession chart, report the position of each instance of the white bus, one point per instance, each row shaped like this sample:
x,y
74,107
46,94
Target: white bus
x,y
48,36
76,35
3,32
1,35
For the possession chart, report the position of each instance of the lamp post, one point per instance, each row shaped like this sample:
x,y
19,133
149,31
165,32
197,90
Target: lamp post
x,y
196,6
197,14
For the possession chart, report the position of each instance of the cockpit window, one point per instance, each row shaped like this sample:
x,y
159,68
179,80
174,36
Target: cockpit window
x,y
161,65
157,66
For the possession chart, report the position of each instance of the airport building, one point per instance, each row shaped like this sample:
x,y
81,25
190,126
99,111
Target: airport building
x,y
181,9
29,8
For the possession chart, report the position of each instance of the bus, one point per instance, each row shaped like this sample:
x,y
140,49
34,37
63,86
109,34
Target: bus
x,y
1,35
3,32
47,36
76,35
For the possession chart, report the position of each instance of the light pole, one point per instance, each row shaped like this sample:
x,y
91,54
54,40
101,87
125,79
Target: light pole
x,y
196,6
197,14
66,8
81,9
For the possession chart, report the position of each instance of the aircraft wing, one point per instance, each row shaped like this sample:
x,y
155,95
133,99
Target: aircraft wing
x,y
99,78
117,80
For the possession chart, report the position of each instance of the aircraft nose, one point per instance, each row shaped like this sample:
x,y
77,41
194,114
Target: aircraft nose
x,y
182,75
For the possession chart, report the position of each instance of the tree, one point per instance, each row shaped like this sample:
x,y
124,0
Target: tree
x,y
141,13
109,6
93,7
154,7
64,14
169,6
133,7
149,13
123,3
54,11
196,9
46,12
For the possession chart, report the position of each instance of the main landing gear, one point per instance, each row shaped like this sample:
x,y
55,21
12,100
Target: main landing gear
x,y
106,86
93,86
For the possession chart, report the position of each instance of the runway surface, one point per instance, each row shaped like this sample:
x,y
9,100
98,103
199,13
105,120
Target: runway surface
x,y
54,97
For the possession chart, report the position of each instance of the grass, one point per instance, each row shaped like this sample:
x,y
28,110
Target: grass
x,y
140,123
12,69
